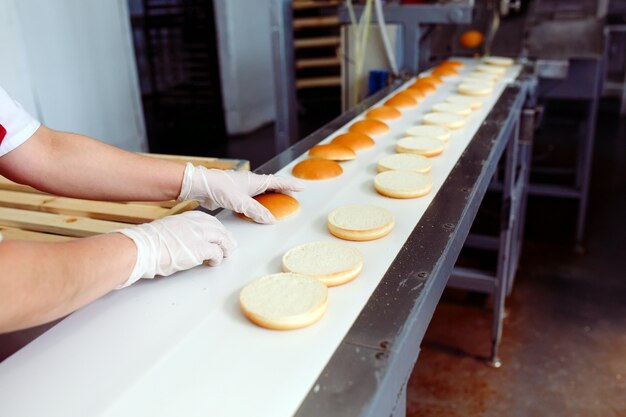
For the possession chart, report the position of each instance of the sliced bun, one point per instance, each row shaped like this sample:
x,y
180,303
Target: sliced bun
x,y
384,113
360,222
370,127
332,151
475,89
355,141
404,162
447,120
460,109
429,131
280,205
473,102
499,61
284,301
402,100
333,263
316,169
420,146
403,184
491,69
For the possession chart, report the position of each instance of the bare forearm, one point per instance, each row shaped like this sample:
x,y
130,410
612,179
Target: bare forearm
x,y
44,281
77,166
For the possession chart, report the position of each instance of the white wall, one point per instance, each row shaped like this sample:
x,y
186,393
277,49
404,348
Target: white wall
x,y
245,54
74,67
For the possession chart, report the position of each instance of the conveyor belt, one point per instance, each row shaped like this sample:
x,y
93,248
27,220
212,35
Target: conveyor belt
x,y
180,346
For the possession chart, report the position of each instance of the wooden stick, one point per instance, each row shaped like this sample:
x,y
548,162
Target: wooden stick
x,y
120,212
56,223
182,207
10,233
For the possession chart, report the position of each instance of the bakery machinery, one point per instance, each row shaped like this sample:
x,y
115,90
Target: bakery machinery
x,y
182,346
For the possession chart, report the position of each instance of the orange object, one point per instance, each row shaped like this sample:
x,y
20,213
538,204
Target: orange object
x,y
423,87
280,205
452,63
402,100
471,39
445,71
384,113
370,127
433,79
355,141
332,151
316,169
416,93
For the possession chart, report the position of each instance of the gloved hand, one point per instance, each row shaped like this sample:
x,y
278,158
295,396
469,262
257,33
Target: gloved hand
x,y
233,190
176,243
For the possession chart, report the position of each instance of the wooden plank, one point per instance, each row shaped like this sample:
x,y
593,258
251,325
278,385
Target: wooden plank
x,y
318,42
103,210
310,4
315,22
56,223
182,207
217,163
7,184
318,62
318,82
10,233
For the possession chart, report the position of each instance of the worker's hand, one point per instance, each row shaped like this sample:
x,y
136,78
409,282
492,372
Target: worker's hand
x,y
176,243
233,190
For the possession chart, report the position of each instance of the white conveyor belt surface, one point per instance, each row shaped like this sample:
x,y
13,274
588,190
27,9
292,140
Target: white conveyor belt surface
x,y
179,346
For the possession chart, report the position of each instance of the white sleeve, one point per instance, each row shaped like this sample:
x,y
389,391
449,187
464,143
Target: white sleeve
x,y
16,125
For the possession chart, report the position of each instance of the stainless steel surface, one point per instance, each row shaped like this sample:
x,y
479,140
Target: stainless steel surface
x,y
286,127
412,18
367,373
552,68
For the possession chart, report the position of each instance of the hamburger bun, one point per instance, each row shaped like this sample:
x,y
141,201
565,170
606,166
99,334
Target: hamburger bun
x,y
384,113
460,109
284,301
445,71
370,127
280,205
402,100
355,141
420,145
416,93
333,263
447,120
403,184
429,131
316,169
360,222
404,162
332,151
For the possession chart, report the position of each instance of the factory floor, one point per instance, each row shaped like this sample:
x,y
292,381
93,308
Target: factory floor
x,y
564,343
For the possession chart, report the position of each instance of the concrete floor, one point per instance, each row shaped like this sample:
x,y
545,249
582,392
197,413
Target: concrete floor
x,y
564,343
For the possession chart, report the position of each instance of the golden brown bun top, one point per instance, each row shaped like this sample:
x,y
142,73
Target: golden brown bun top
x,y
445,71
355,141
370,127
332,151
452,63
280,205
416,93
384,113
433,79
316,169
423,87
402,100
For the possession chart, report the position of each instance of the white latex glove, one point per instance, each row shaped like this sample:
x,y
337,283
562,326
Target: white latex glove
x,y
176,243
233,190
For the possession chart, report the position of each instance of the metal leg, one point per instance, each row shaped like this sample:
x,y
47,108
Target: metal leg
x,y
504,252
400,409
284,74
